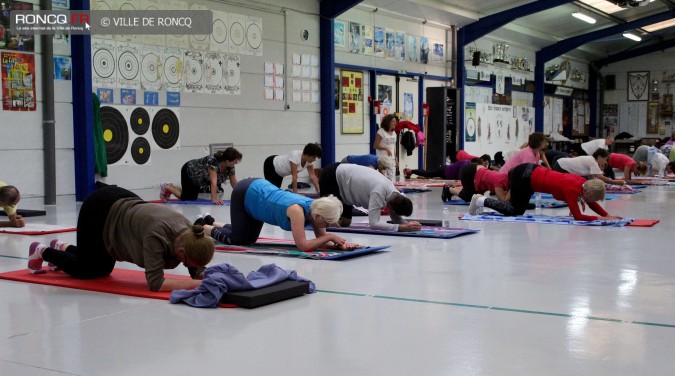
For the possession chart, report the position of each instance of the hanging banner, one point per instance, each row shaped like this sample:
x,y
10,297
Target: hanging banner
x,y
352,102
18,81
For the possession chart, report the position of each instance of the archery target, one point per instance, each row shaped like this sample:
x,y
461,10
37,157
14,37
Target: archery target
x,y
103,63
128,65
213,70
139,121
115,133
232,74
237,33
140,150
150,72
165,128
219,31
193,74
254,38
173,69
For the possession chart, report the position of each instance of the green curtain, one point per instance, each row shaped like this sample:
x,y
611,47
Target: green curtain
x,y
100,156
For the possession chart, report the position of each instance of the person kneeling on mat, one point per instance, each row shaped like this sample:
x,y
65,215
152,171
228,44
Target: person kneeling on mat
x,y
9,198
360,186
257,201
116,225
528,178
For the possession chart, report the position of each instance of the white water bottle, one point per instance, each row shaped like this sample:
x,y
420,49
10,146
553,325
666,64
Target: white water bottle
x,y
537,204
446,217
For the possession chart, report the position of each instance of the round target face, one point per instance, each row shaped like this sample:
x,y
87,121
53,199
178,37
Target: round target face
x,y
140,150
128,65
232,72
140,121
104,63
115,133
213,71
470,127
165,128
194,72
237,33
219,31
149,68
254,36
172,69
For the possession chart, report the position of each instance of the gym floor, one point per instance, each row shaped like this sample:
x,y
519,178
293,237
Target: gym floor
x,y
514,299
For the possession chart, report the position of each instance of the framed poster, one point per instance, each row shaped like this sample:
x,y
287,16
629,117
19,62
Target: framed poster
x,y
18,81
638,86
653,118
339,34
351,86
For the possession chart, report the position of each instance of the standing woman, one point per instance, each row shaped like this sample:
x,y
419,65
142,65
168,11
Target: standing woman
x,y
385,141
204,175
276,167
256,202
114,225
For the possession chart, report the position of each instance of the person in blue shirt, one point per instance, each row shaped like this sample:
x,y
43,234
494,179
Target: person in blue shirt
x,y
257,201
381,164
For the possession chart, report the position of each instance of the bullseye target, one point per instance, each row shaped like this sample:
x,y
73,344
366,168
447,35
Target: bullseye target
x,y
140,150
254,36
219,31
128,65
139,121
237,33
165,128
103,63
115,133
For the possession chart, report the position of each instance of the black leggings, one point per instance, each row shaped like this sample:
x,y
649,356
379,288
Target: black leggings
x,y
556,167
435,173
189,191
89,258
521,191
466,175
271,173
244,229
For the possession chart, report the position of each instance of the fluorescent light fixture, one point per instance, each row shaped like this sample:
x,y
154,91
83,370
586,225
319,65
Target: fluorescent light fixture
x,y
584,17
660,25
632,36
603,5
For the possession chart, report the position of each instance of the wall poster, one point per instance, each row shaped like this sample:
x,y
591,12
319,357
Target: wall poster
x,y
352,102
18,81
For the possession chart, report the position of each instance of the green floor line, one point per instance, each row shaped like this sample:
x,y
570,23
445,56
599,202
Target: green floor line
x,y
527,311
14,257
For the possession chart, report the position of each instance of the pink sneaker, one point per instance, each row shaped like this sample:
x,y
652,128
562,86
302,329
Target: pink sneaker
x,y
35,258
164,194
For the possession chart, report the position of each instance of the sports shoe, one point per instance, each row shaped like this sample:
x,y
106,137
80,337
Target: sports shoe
x,y
445,193
473,207
35,258
407,173
209,220
200,221
164,193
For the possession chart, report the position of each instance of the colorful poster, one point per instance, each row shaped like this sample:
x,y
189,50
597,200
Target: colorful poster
x,y
18,81
390,44
172,99
339,34
352,102
367,35
9,41
150,98
105,95
438,54
62,68
424,50
470,120
378,42
128,96
384,95
413,49
355,40
408,105
399,46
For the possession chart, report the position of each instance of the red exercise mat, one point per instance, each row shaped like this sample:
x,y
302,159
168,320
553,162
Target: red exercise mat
x,y
36,229
120,282
644,222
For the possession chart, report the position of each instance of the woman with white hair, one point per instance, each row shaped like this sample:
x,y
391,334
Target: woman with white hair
x,y
257,201
528,178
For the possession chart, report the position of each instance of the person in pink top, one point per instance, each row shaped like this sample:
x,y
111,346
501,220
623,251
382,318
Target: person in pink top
x,y
625,164
532,153
464,156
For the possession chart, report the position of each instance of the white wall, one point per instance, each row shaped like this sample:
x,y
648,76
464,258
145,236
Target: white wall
x,y
659,65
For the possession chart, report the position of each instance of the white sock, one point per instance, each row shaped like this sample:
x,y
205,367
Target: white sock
x,y
480,201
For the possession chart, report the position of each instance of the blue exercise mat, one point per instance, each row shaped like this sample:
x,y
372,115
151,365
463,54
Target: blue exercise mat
x,y
290,250
546,219
414,190
426,232
633,192
545,204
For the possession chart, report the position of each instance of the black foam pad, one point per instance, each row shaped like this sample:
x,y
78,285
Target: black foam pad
x,y
267,295
26,213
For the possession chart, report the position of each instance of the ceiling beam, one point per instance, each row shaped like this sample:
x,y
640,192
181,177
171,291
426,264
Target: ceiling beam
x,y
629,54
448,8
334,8
488,24
564,46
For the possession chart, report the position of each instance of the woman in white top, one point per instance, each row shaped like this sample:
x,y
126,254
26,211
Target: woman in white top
x,y
600,143
276,167
385,141
587,166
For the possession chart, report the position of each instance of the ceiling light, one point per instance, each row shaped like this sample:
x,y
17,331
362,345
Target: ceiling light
x,y
659,25
603,5
584,17
632,36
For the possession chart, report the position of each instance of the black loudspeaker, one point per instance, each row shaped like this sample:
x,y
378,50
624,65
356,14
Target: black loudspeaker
x,y
610,82
475,59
